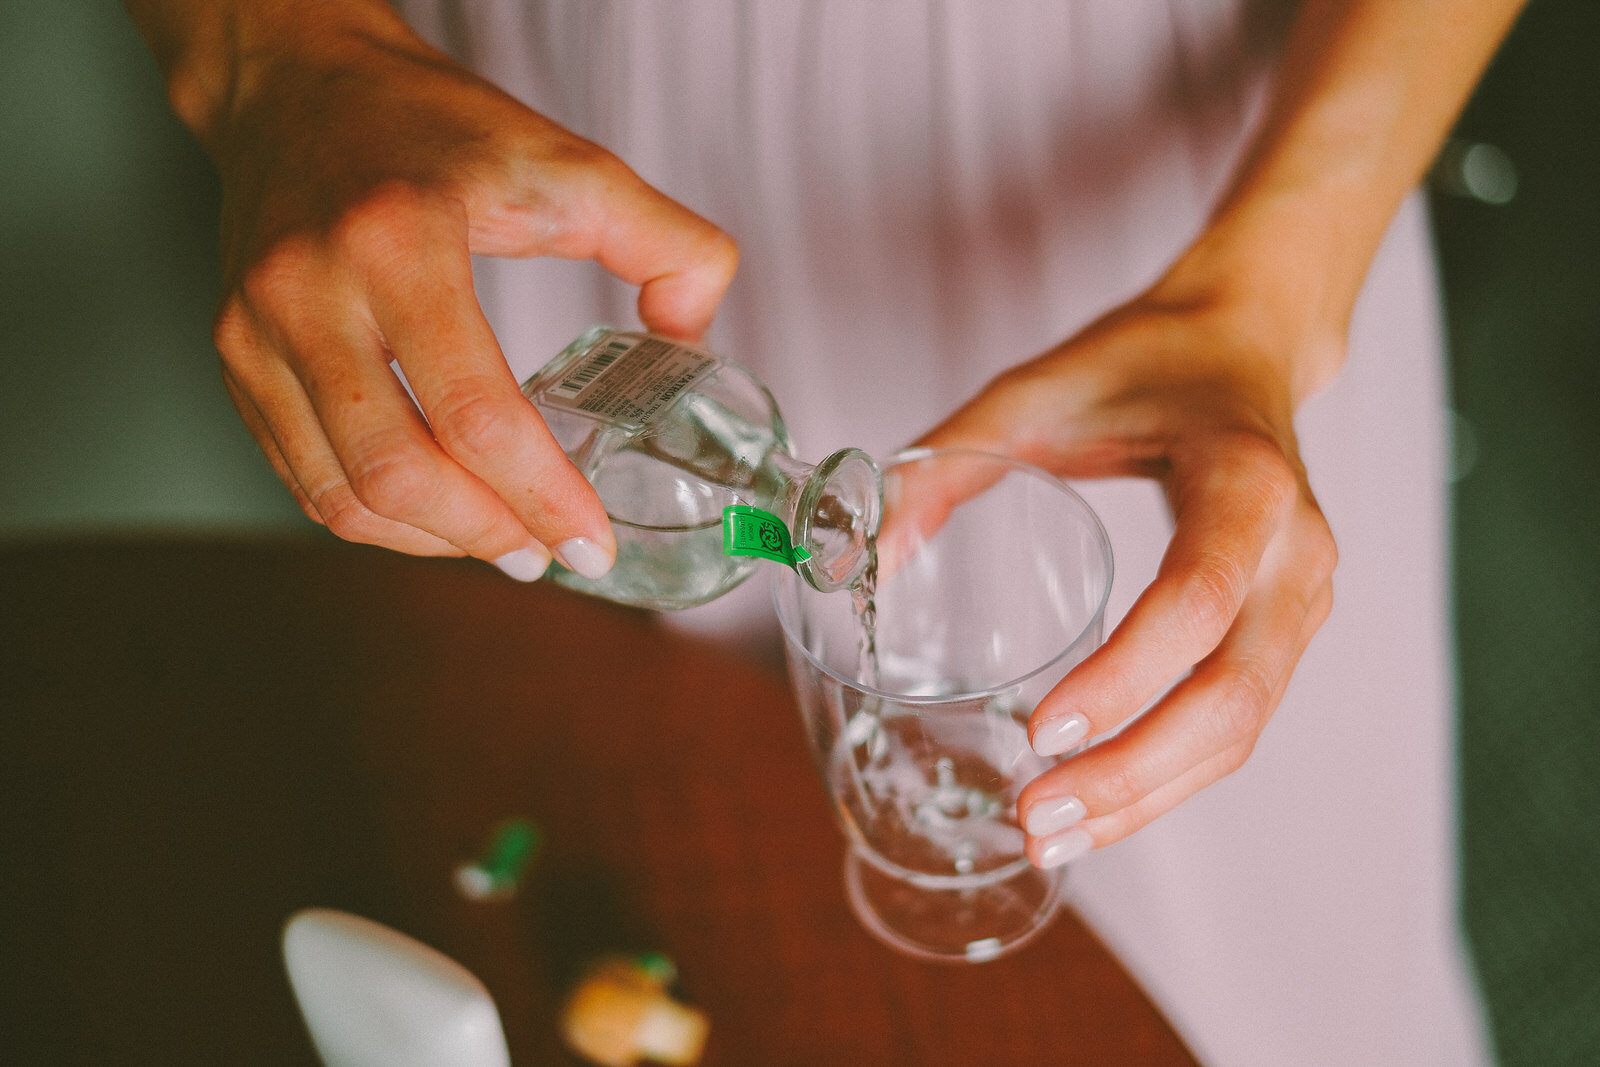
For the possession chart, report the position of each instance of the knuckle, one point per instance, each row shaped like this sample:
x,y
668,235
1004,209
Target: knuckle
x,y
483,530
231,331
280,276
1262,465
1280,484
381,225
339,509
1211,596
1118,695
1121,788
473,426
399,484
1242,706
1324,551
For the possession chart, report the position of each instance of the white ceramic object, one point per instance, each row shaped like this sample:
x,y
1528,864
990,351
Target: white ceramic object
x,y
373,997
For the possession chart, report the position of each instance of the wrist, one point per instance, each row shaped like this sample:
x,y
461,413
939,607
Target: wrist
x,y
216,58
1281,278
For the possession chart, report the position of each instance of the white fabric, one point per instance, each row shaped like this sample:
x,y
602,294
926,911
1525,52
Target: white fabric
x,y
925,194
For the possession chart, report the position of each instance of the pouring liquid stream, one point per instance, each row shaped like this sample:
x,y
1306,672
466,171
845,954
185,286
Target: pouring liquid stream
x,y
864,597
952,821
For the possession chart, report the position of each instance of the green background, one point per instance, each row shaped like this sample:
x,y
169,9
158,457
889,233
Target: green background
x,y
1522,287
112,417
112,413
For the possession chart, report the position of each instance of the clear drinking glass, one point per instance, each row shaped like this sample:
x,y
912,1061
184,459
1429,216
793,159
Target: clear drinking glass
x,y
991,584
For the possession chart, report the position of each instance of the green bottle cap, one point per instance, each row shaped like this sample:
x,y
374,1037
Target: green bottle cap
x,y
749,531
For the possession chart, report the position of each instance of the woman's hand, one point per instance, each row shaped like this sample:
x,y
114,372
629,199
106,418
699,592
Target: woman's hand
x,y
1195,384
1196,395
360,170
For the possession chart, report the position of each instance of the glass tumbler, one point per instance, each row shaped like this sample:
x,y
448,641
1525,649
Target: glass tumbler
x,y
991,582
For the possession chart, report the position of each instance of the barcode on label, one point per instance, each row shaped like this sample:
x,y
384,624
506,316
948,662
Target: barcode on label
x,y
628,380
590,369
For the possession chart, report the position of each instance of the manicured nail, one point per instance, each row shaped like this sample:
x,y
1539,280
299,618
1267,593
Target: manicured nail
x,y
525,564
584,556
1058,735
1065,848
1048,816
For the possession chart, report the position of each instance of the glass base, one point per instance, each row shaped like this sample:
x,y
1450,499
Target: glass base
x,y
952,925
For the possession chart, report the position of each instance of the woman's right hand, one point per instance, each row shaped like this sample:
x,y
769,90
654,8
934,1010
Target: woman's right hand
x,y
360,169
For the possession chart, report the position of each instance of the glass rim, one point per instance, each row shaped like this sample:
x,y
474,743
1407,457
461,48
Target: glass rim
x,y
912,455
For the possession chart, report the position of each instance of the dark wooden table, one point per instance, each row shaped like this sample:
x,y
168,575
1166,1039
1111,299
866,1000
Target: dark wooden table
x,y
201,737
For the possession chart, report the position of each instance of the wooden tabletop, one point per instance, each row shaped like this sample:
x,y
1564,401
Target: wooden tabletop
x,y
203,736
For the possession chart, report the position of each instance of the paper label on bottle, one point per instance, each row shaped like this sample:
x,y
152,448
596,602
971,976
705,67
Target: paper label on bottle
x,y
748,531
629,380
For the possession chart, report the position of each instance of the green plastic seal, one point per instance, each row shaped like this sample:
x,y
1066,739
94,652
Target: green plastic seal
x,y
749,531
495,874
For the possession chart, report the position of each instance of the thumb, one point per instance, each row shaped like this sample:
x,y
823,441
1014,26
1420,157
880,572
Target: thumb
x,y
681,261
990,421
580,201
920,494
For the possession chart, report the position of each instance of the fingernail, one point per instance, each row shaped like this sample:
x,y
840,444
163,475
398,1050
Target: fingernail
x,y
1048,816
1064,848
584,556
1058,735
525,564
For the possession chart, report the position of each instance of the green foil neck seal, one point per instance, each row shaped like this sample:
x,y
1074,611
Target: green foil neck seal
x,y
749,531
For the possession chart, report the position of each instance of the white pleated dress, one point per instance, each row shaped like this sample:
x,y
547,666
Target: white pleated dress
x,y
927,193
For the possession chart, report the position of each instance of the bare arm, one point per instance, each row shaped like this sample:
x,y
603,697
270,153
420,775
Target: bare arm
x,y
1364,95
1195,383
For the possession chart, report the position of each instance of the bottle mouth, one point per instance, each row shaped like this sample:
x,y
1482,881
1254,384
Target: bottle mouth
x,y
836,519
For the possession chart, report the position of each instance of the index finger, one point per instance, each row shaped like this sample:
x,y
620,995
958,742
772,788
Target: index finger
x,y
426,309
681,261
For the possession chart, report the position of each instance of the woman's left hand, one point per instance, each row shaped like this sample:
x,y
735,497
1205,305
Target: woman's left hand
x,y
1199,397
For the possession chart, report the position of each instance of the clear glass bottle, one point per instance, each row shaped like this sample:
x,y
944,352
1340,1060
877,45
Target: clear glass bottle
x,y
695,467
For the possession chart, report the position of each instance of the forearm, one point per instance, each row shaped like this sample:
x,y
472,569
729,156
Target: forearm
x,y
209,50
1365,93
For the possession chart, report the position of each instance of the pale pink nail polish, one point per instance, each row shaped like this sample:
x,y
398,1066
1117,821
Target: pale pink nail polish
x,y
525,564
1058,813
584,557
1058,735
1065,848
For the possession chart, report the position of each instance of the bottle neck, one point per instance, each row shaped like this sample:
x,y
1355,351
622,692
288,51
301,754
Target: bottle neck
x,y
832,512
